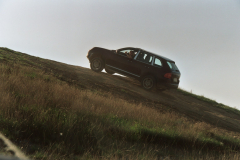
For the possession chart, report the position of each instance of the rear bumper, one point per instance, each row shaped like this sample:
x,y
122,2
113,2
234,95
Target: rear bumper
x,y
167,84
172,86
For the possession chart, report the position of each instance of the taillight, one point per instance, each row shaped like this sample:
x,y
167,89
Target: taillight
x,y
168,75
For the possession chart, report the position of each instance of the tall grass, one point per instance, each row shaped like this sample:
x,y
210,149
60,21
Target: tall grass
x,y
65,120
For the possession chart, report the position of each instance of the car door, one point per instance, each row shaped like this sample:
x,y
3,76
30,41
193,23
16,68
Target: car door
x,y
131,65
119,62
142,63
158,69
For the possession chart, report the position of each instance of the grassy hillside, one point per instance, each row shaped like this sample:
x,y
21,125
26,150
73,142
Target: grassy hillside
x,y
50,114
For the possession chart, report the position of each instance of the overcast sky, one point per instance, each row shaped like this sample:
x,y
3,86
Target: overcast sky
x,y
202,36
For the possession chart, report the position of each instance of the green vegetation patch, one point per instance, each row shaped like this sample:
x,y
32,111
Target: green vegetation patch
x,y
31,75
137,131
12,56
1,57
7,49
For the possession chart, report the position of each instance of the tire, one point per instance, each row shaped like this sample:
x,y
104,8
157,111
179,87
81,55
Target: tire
x,y
148,82
97,64
109,71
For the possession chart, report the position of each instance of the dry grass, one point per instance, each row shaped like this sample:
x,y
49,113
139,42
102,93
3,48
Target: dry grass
x,y
46,111
24,86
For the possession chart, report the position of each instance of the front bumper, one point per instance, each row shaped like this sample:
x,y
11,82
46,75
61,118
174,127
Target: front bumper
x,y
89,55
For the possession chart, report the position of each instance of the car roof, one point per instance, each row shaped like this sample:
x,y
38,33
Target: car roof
x,y
165,58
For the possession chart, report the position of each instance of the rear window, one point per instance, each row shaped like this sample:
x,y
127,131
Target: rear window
x,y
172,66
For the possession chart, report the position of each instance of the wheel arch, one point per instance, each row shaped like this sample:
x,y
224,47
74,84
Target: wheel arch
x,y
148,74
143,81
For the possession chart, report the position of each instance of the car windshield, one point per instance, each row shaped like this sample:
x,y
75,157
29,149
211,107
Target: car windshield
x,y
172,66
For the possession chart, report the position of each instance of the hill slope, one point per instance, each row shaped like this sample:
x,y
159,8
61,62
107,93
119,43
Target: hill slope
x,y
173,118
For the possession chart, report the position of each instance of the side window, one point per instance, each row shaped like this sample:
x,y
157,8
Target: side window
x,y
123,52
144,57
157,62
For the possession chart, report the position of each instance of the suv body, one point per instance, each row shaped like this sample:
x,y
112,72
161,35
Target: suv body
x,y
150,69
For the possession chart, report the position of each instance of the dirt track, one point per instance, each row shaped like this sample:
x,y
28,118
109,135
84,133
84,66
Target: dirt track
x,y
131,90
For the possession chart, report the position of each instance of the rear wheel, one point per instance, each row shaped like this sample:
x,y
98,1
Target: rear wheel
x,y
109,71
97,64
148,82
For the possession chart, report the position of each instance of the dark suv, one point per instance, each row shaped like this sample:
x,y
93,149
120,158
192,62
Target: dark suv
x,y
150,69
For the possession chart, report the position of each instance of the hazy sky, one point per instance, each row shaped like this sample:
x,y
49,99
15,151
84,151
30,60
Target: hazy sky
x,y
202,36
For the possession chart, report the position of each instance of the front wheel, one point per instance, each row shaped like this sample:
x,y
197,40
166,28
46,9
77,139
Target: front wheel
x,y
148,82
97,64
